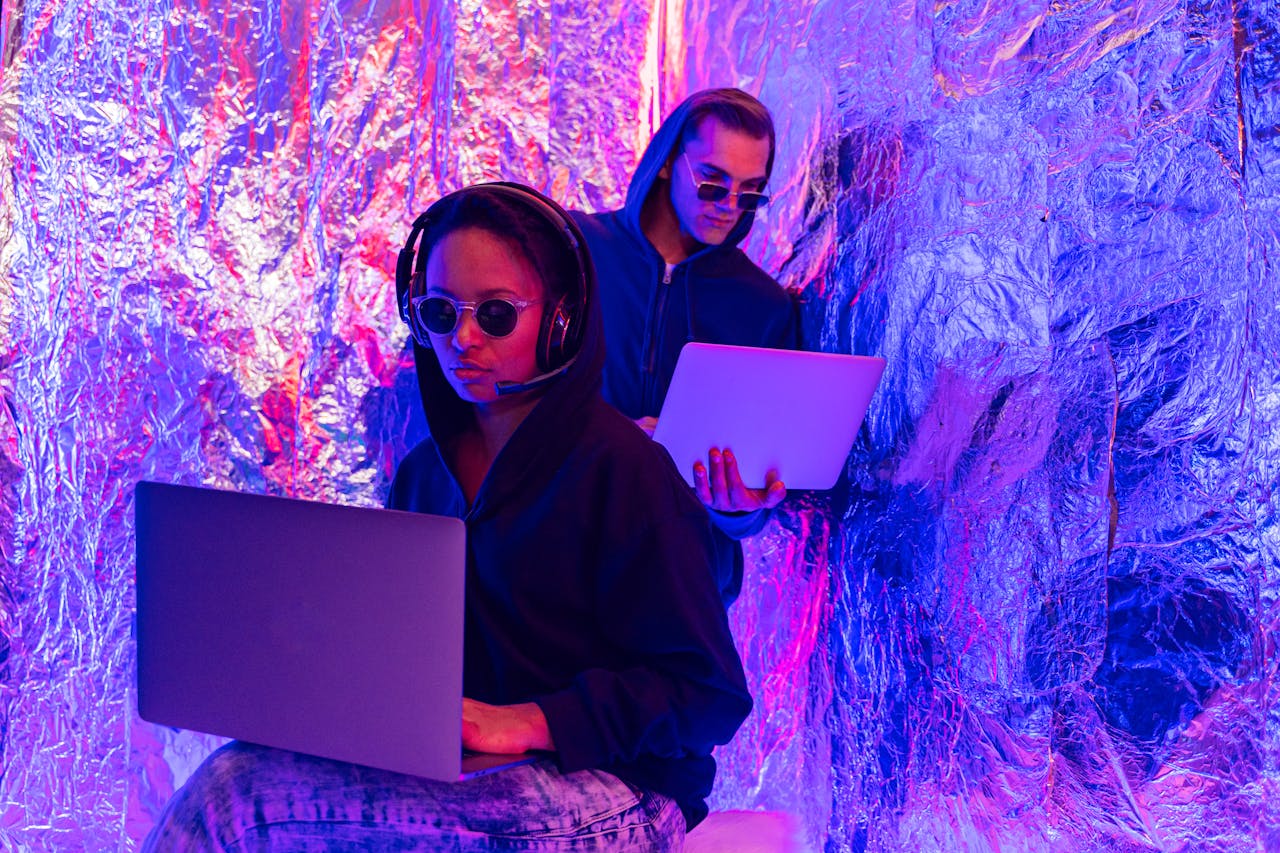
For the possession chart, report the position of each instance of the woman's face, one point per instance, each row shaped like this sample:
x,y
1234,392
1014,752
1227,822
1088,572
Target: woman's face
x,y
472,265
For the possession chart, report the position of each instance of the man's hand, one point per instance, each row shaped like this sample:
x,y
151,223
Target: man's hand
x,y
720,486
504,729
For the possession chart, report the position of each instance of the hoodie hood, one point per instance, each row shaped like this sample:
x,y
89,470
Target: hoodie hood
x,y
660,149
550,430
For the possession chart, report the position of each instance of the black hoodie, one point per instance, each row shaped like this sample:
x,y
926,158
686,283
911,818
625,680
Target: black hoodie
x,y
590,583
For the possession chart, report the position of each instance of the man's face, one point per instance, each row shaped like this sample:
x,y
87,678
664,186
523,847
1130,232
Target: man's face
x,y
718,155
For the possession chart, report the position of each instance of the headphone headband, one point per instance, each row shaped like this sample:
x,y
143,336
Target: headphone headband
x,y
560,333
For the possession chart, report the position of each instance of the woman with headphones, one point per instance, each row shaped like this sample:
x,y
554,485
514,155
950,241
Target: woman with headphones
x,y
595,632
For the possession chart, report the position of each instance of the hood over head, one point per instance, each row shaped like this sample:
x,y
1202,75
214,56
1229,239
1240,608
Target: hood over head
x,y
666,144
572,372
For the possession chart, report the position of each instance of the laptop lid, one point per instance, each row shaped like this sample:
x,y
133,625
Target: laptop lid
x,y
330,630
794,412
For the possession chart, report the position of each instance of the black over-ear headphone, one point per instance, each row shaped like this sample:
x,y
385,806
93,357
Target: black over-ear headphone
x,y
560,334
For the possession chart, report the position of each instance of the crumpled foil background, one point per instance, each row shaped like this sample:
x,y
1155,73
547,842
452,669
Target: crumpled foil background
x,y
1039,612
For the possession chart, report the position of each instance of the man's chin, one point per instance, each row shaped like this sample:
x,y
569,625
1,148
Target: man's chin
x,y
714,237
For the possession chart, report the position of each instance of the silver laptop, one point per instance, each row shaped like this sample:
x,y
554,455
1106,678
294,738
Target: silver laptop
x,y
794,412
330,630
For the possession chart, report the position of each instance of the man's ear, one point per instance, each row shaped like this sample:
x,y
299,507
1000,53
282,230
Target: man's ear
x,y
665,172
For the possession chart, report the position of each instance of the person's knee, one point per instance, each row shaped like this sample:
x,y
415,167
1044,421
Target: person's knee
x,y
194,815
221,776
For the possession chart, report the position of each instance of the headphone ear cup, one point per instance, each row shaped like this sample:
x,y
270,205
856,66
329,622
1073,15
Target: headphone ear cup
x,y
404,277
556,324
572,329
405,262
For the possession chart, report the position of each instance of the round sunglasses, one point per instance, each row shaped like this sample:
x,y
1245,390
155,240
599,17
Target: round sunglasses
x,y
747,200
496,317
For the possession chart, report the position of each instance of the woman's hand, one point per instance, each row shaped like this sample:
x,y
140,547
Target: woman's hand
x,y
504,729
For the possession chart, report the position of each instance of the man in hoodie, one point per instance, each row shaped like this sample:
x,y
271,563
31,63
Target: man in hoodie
x,y
671,272
595,633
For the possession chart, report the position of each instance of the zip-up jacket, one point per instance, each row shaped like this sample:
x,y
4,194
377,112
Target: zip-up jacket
x,y
651,310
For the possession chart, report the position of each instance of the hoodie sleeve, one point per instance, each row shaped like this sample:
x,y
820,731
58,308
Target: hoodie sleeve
x,y
740,525
684,690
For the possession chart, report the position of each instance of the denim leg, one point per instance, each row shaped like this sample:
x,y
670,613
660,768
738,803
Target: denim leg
x,y
250,798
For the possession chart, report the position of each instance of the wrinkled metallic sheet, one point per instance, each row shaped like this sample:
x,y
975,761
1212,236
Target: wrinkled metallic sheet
x,y
206,200
1057,222
1069,264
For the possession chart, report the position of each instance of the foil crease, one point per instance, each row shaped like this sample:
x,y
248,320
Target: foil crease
x,y
1037,613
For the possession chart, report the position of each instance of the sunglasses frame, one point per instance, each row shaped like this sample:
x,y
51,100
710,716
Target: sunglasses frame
x,y
459,306
721,192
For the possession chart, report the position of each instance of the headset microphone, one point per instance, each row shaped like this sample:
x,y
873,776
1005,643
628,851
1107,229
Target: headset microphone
x,y
507,388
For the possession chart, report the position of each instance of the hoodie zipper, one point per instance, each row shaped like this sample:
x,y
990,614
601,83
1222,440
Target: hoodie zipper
x,y
654,332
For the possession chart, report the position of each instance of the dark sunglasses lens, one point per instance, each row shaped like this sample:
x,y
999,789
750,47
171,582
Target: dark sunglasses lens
x,y
751,201
497,317
438,315
712,192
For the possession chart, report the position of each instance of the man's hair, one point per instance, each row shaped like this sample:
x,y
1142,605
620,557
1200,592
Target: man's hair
x,y
733,108
518,225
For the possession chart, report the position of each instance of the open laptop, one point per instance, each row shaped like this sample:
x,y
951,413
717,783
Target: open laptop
x,y
330,630
794,412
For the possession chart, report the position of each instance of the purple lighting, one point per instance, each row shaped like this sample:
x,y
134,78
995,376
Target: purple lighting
x,y
1038,612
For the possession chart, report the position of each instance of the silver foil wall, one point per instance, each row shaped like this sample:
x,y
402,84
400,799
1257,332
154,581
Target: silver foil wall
x,y
1039,612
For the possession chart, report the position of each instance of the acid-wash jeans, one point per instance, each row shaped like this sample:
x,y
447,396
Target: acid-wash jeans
x,y
251,798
